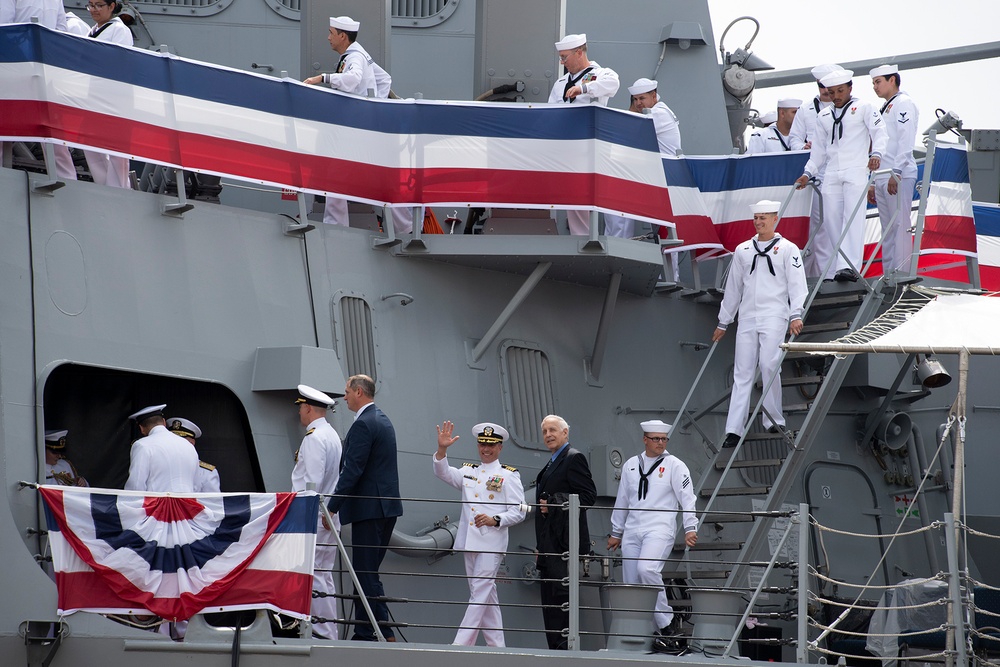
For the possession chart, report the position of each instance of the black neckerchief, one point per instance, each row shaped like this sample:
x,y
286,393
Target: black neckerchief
x,y
98,31
837,124
570,82
340,65
763,253
816,104
777,133
643,482
886,105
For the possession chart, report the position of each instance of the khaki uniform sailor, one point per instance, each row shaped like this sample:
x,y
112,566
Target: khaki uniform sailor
x,y
59,469
358,74
766,286
585,82
775,138
800,138
206,478
317,462
850,141
492,502
653,480
160,461
894,200
668,138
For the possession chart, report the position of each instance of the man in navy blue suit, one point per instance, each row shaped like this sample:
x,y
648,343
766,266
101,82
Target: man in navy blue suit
x,y
367,497
567,472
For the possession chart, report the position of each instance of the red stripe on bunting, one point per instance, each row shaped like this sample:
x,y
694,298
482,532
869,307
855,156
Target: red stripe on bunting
x,y
353,179
955,232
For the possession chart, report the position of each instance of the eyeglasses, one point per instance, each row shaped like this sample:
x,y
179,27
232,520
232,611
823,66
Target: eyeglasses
x,y
658,438
100,6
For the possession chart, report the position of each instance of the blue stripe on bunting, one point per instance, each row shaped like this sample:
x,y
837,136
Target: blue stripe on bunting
x,y
301,516
108,527
724,174
951,165
987,220
50,519
27,43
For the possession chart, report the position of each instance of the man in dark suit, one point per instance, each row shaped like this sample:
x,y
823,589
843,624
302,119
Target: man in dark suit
x,y
567,472
367,497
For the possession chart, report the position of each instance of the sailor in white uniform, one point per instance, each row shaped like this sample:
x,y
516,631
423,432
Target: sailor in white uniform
x,y
492,502
800,137
59,469
668,138
160,461
775,138
206,479
895,198
357,74
653,480
585,82
849,143
317,462
767,287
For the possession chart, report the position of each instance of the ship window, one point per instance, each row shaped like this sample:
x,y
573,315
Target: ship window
x,y
528,394
358,336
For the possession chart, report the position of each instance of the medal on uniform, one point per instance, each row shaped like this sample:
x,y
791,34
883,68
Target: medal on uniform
x,y
494,483
661,472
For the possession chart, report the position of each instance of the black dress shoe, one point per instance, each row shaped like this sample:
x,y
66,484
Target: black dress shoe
x,y
774,428
846,276
731,440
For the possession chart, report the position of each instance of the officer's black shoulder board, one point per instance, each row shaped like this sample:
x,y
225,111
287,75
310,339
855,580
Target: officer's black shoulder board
x,y
206,466
510,468
470,465
310,431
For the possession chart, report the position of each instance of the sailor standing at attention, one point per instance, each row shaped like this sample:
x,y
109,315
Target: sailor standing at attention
x,y
652,480
767,287
160,461
850,141
668,138
800,137
357,74
492,502
206,479
317,462
585,82
775,138
895,197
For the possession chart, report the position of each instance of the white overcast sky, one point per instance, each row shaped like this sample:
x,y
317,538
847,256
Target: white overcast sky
x,y
803,34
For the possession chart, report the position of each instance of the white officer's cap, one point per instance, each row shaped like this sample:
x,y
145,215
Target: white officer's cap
x,y
765,206
151,411
642,86
345,23
884,70
571,42
789,103
489,433
313,397
769,117
183,427
56,439
656,426
820,71
837,78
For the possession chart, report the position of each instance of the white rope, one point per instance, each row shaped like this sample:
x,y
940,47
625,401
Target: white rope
x,y
845,605
930,526
914,582
898,314
851,633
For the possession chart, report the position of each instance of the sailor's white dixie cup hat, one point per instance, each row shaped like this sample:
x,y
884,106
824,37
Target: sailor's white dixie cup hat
x,y
765,206
837,78
345,23
820,71
642,86
571,42
789,103
656,426
884,70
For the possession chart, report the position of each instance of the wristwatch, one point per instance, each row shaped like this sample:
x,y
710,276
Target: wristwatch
x,y
496,517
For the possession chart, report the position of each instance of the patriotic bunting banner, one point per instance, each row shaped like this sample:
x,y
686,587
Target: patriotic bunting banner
x,y
178,555
711,196
65,89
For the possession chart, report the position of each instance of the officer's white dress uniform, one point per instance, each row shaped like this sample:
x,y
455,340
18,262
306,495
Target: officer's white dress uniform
x,y
491,489
318,462
766,304
840,150
803,130
599,85
668,138
648,537
111,170
357,74
206,479
162,462
901,118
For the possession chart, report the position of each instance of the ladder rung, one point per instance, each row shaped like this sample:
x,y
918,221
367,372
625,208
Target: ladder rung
x,y
797,407
837,301
739,491
721,465
825,327
710,546
728,518
697,574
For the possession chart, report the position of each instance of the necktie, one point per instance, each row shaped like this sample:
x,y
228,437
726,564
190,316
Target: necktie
x,y
643,482
763,253
570,82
